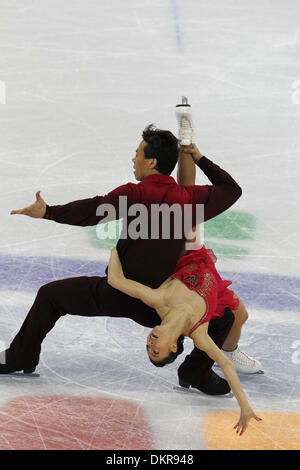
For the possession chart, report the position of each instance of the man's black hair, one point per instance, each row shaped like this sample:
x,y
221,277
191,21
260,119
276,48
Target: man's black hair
x,y
163,146
172,356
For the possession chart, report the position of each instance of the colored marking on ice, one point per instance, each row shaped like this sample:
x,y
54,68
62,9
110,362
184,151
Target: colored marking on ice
x,y
73,423
276,431
105,236
227,251
265,291
176,25
232,225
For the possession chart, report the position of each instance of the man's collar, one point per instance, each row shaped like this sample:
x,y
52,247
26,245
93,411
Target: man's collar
x,y
159,178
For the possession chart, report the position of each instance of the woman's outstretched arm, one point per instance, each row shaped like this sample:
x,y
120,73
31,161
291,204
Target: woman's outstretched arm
x,y
203,341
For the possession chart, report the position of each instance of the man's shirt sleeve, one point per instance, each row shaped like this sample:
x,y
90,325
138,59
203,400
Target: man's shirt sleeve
x,y
85,212
219,196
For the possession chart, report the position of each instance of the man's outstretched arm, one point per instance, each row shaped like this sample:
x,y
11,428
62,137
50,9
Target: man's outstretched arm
x,y
82,212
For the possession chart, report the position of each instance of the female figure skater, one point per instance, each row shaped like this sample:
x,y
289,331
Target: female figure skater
x,y
185,302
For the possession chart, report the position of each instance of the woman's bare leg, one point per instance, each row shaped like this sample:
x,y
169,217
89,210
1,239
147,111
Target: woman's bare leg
x,y
242,362
240,317
186,169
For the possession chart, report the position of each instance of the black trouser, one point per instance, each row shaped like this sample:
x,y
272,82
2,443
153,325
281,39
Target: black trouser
x,y
196,367
92,296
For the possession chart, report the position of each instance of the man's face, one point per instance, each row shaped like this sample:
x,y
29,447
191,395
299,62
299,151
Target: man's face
x,y
140,163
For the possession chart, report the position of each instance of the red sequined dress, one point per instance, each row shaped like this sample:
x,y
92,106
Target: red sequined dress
x,y
196,269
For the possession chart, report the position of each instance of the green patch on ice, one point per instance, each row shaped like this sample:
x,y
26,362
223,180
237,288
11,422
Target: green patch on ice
x,y
232,226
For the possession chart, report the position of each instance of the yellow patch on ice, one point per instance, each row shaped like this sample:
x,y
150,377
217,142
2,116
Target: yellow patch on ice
x,y
277,431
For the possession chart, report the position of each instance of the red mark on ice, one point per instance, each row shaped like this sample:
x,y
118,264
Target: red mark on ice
x,y
73,423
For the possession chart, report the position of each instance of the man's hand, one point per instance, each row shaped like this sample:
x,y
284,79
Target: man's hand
x,y
191,150
36,210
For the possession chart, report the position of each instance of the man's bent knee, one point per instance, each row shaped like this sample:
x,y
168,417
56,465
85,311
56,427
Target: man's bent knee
x,y
48,290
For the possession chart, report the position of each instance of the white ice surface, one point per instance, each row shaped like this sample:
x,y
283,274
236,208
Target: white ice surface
x,y
83,78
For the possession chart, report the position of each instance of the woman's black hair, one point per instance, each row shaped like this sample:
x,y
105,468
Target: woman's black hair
x,y
163,146
172,356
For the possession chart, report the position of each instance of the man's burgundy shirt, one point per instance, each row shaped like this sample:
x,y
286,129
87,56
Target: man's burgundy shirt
x,y
151,261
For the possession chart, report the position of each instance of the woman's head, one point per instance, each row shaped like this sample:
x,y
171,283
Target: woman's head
x,y
161,350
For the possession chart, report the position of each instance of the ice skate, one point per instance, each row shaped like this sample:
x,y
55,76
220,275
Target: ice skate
x,y
185,122
243,363
8,369
215,385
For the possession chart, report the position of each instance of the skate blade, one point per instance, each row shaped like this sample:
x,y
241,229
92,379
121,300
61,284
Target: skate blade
x,y
186,390
251,373
194,391
244,373
21,374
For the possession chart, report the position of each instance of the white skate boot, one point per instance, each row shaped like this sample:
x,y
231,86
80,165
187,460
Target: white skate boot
x,y
242,362
185,122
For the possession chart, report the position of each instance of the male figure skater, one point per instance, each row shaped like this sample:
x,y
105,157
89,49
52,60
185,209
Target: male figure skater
x,y
146,260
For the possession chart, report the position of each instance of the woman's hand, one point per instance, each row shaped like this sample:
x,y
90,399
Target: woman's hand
x,y
36,210
242,424
204,342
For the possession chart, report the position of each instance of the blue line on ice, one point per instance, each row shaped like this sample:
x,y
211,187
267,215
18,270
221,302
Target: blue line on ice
x,y
176,25
267,291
